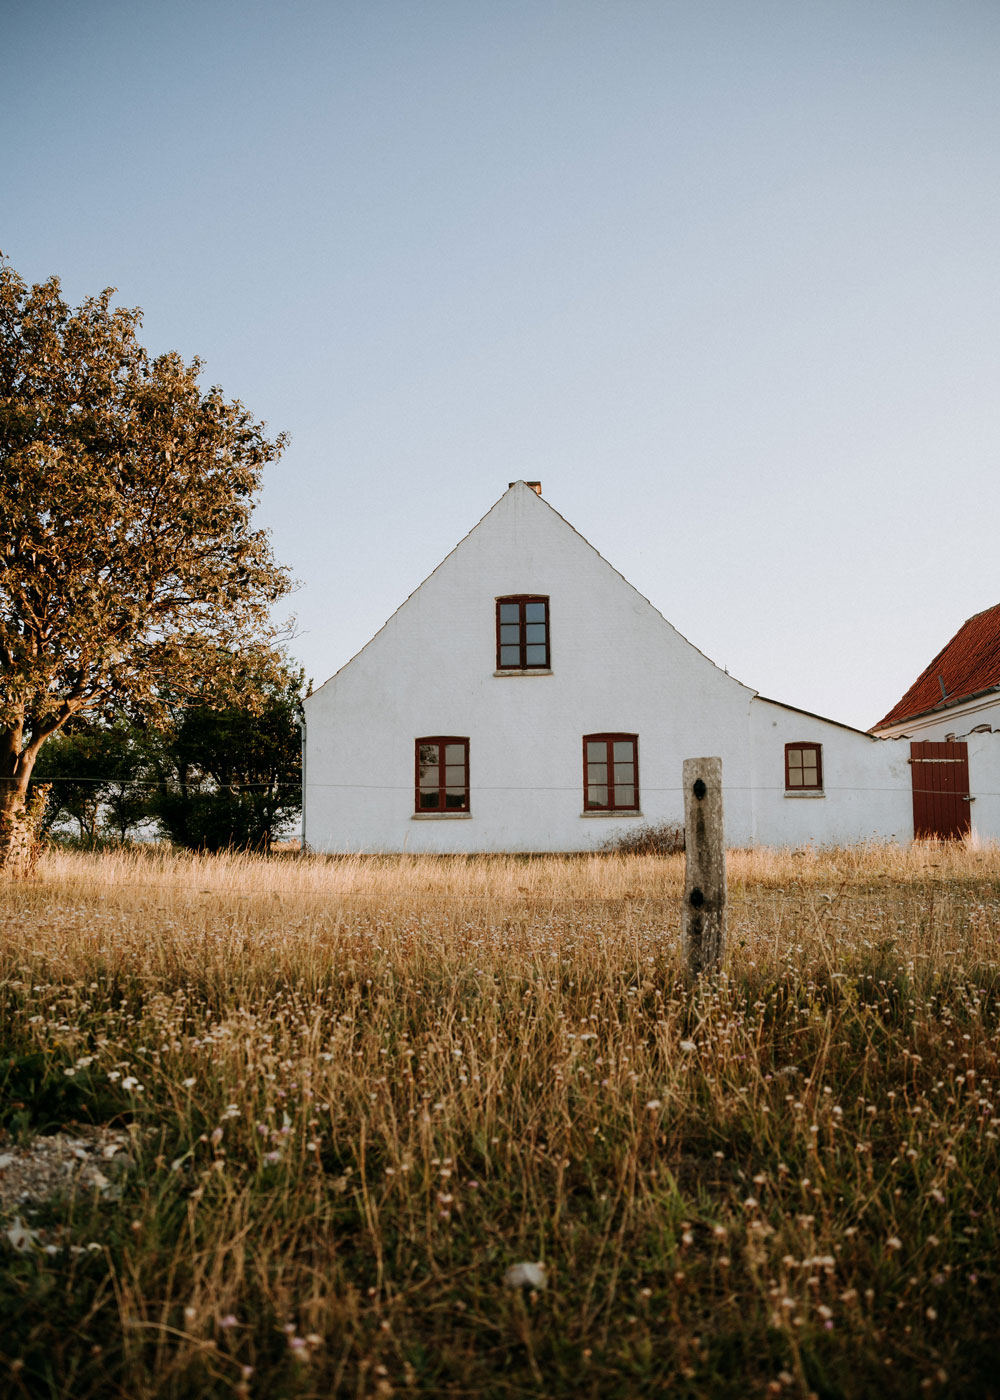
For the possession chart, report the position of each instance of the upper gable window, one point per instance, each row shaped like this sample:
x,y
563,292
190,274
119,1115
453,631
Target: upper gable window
x,y
803,768
523,633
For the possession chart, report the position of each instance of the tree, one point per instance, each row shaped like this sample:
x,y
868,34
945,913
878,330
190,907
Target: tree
x,y
232,777
97,774
128,564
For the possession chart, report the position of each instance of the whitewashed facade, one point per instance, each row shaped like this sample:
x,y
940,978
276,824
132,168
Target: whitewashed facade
x,y
510,743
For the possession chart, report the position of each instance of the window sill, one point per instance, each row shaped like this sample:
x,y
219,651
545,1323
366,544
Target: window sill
x,y
534,671
805,794
621,812
441,817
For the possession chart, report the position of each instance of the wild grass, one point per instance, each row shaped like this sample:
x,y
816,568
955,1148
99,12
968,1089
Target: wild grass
x,y
359,1089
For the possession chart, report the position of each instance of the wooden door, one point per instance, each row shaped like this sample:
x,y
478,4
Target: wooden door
x,y
941,806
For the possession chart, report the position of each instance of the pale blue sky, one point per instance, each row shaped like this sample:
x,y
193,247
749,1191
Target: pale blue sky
x,y
725,276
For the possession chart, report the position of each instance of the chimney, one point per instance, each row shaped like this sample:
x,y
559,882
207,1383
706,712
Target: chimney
x,y
536,486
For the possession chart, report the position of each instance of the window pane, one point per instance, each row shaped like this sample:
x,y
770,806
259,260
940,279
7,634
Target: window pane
x,y
795,777
510,633
795,758
428,754
534,656
454,753
510,656
810,775
597,795
535,632
429,799
534,612
509,612
624,751
624,772
454,775
597,751
454,797
597,772
625,795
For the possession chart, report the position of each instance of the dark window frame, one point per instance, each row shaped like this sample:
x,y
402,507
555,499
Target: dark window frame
x,y
522,599
797,746
442,808
612,805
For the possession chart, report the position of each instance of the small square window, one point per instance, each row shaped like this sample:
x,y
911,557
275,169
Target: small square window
x,y
442,774
610,772
523,633
803,767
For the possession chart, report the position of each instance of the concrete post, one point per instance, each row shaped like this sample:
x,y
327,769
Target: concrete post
x,y
704,918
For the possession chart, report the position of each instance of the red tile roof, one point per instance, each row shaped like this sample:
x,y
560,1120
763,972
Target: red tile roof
x,y
969,664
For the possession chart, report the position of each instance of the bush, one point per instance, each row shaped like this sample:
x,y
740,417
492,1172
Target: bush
x,y
649,839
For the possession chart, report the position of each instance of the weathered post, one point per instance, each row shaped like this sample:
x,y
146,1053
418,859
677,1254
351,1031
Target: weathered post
x,y
704,920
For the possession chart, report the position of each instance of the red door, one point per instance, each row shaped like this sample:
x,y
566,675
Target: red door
x,y
941,808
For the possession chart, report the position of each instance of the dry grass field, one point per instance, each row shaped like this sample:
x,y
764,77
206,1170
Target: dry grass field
x,y
355,1092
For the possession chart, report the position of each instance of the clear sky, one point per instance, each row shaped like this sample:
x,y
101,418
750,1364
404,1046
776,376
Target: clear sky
x,y
723,275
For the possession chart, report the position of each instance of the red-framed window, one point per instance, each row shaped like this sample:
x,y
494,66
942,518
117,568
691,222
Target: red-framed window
x,y
610,772
523,633
442,774
803,767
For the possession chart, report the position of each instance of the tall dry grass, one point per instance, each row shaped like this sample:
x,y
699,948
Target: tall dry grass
x,y
361,1088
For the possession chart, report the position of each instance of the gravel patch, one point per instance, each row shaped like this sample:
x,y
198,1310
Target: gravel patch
x,y
89,1159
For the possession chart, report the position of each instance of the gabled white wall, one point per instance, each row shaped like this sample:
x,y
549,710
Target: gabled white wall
x,y
617,664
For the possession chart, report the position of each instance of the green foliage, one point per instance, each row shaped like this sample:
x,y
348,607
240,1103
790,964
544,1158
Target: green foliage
x,y
210,778
36,1093
231,777
98,775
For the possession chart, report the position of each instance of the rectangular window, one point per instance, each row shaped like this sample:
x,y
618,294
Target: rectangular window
x,y
442,765
610,772
523,633
803,768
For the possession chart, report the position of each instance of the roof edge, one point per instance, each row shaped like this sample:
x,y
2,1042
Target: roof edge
x,y
952,703
797,709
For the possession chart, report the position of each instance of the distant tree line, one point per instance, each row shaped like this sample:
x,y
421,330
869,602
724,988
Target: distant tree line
x,y
203,776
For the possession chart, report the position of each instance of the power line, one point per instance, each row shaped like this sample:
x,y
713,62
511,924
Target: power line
x,y
774,789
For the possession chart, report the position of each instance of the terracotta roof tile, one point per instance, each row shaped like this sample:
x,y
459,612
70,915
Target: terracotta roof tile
x,y
969,664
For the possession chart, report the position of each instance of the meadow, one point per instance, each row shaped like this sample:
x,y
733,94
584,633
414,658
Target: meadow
x,y
357,1091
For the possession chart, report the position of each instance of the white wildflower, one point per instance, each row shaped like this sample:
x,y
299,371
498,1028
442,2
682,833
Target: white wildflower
x,y
526,1276
19,1236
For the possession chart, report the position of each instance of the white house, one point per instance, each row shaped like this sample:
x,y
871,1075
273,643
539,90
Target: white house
x,y
527,698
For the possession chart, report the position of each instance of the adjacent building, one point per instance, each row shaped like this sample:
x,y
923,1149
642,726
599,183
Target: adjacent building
x,y
951,715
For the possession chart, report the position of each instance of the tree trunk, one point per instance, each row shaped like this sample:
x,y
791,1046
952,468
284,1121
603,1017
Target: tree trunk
x,y
19,823
20,817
